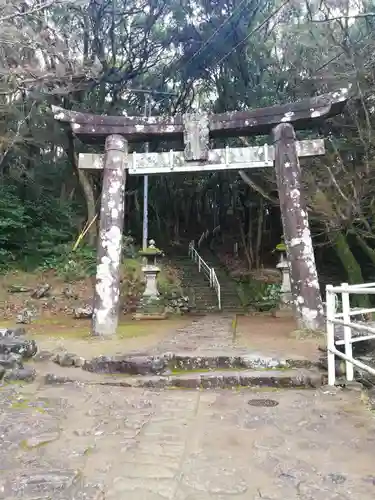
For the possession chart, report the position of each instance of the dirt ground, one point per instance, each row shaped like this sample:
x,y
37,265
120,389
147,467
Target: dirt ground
x,y
61,333
55,328
276,337
264,335
63,297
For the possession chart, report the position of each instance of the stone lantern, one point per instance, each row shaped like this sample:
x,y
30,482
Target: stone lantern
x,y
151,270
286,288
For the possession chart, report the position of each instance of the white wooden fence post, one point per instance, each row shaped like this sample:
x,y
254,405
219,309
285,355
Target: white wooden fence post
x,y
199,264
330,314
349,368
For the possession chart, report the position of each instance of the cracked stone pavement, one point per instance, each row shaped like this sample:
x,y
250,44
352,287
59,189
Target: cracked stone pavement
x,y
79,442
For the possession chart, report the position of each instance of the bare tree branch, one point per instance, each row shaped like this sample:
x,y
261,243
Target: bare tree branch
x,y
31,10
256,187
343,17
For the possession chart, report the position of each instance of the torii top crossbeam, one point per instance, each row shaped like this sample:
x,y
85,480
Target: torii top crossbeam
x,y
302,114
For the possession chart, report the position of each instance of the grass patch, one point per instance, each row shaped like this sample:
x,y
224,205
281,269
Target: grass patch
x,y
307,334
125,330
24,403
136,329
180,371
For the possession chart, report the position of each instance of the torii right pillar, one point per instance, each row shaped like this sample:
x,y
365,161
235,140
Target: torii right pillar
x,y
307,299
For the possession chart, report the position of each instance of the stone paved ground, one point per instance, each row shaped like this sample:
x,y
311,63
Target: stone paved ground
x,y
103,443
96,442
208,334
263,335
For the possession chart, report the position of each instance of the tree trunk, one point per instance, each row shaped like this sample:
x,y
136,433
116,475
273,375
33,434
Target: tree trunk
x,y
351,266
87,190
258,244
370,252
246,249
250,237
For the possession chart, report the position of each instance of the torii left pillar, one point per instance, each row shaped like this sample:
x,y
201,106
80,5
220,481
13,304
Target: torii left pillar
x,y
107,286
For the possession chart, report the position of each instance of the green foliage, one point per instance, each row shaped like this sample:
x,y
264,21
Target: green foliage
x,y
169,284
151,251
132,283
13,227
32,229
259,295
128,247
71,265
281,247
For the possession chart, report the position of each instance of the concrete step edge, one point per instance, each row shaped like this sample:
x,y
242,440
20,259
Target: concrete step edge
x,y
283,379
166,364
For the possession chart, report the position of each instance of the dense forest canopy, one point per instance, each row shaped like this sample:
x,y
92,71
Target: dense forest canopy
x,y
103,55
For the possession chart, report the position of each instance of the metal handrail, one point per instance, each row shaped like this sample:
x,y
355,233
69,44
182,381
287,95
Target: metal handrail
x,y
208,271
216,285
343,319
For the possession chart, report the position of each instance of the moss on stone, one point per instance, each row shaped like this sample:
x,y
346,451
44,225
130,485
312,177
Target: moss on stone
x,y
27,404
150,251
181,371
24,444
89,451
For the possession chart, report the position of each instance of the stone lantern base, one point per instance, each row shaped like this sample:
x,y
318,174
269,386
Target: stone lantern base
x,y
150,309
150,306
285,308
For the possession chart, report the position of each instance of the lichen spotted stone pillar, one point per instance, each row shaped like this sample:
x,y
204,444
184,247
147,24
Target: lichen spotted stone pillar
x,y
286,287
307,300
107,286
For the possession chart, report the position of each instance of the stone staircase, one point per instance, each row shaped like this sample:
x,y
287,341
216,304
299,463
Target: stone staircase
x,y
196,285
230,300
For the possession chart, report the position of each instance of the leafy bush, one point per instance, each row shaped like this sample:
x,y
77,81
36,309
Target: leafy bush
x,y
259,295
72,265
169,284
32,230
14,222
128,247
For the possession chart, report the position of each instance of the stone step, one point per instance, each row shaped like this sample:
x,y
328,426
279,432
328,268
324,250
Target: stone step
x,y
224,379
228,379
170,363
205,296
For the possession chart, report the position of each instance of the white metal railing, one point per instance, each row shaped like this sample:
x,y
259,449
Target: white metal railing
x,y
202,238
216,285
208,271
343,319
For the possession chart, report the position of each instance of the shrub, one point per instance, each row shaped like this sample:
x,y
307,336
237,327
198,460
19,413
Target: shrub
x,y
259,295
71,265
32,230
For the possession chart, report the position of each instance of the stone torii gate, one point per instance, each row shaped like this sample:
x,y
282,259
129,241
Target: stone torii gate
x,y
195,132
